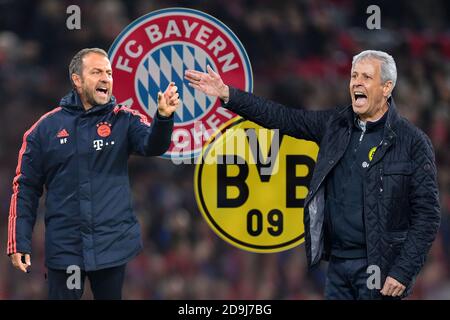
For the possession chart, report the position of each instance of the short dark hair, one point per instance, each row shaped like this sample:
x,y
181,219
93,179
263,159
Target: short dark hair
x,y
76,65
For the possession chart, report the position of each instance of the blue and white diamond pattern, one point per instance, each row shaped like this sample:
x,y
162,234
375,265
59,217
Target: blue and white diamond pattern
x,y
167,63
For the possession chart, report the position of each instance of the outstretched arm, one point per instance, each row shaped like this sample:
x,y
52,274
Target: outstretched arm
x,y
309,125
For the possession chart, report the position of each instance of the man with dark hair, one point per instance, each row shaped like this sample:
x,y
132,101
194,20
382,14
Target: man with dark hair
x,y
373,201
79,152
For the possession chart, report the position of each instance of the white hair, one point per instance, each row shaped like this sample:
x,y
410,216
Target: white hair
x,y
388,67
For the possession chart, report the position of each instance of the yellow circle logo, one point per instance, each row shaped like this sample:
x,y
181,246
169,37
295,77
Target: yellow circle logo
x,y
251,183
372,152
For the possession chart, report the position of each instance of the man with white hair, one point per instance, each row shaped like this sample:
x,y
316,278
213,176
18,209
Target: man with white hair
x,y
373,202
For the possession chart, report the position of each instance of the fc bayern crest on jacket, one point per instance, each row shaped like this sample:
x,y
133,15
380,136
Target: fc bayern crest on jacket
x,y
156,49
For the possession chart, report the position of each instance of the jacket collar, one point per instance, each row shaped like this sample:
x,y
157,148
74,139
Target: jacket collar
x,y
393,116
347,117
369,125
72,102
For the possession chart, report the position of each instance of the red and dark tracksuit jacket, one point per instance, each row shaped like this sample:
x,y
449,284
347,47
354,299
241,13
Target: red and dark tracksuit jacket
x,y
81,158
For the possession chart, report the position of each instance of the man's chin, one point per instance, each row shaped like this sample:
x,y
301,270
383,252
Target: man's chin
x,y
358,110
102,101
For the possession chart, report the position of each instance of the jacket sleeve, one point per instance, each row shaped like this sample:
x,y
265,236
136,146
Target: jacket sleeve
x,y
425,213
27,189
308,125
149,140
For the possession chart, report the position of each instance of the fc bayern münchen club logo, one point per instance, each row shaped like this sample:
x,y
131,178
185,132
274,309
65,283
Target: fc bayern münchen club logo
x,y
156,49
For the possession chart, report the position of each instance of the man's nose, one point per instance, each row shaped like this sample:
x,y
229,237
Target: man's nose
x,y
105,78
356,83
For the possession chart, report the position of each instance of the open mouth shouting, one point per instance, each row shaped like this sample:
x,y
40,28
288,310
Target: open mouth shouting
x,y
102,92
360,98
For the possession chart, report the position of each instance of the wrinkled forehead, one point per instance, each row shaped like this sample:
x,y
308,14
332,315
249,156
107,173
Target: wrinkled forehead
x,y
367,65
96,60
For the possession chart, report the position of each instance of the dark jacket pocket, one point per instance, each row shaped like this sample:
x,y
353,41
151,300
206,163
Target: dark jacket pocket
x,y
403,168
396,237
396,179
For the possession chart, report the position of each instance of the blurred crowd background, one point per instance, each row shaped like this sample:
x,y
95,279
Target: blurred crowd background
x,y
301,53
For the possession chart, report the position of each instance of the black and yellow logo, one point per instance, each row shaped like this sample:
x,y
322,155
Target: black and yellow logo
x,y
251,183
372,152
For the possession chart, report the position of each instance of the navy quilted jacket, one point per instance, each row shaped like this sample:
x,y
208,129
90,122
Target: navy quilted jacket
x,y
80,157
401,200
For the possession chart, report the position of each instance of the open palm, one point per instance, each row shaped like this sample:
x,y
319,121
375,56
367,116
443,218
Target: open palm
x,y
209,83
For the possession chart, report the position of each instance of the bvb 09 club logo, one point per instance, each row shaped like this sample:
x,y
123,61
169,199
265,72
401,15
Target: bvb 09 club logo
x,y
156,49
251,186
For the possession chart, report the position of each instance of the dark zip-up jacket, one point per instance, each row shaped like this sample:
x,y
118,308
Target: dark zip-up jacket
x,y
400,192
81,159
344,214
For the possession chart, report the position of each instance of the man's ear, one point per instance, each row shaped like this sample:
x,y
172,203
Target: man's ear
x,y
76,79
387,88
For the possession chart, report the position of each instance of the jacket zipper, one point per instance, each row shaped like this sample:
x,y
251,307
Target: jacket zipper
x,y
349,131
381,179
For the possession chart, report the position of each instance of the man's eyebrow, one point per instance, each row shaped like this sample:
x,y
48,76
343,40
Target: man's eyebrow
x,y
363,73
100,69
